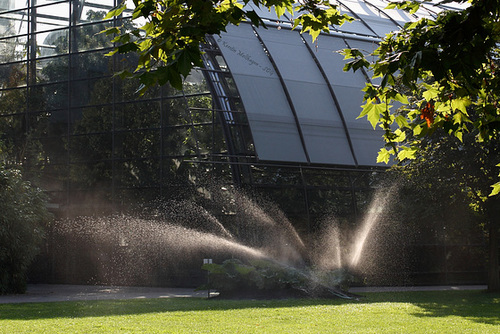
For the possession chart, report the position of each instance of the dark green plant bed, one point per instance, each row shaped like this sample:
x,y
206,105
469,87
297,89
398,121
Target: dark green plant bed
x,y
266,279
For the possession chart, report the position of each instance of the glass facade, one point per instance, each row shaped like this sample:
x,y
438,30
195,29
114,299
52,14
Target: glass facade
x,y
82,133
270,112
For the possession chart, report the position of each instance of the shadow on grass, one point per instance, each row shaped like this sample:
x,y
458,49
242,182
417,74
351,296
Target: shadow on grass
x,y
477,306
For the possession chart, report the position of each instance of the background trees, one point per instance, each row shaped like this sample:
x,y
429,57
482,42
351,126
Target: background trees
x,y
446,186
441,75
435,74
24,216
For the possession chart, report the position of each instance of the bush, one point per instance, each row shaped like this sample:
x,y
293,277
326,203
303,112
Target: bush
x,y
23,215
269,279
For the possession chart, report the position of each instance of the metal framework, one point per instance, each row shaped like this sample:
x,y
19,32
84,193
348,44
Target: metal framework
x,y
84,136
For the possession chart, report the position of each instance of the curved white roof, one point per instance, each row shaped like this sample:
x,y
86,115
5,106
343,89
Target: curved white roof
x,y
300,105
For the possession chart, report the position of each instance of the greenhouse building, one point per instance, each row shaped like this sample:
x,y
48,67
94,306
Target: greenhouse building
x,y
271,113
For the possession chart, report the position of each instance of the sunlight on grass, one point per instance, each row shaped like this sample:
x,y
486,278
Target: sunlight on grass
x,y
401,312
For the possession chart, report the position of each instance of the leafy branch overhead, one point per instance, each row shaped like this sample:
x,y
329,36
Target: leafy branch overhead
x,y
435,74
168,39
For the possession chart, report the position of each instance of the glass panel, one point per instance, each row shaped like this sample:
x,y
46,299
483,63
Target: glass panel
x,y
52,43
273,125
371,16
91,175
48,97
12,129
88,38
357,26
13,101
90,92
333,62
54,175
54,123
291,199
195,83
52,69
276,176
323,131
204,137
51,17
129,92
398,15
92,11
218,140
322,128
55,149
327,178
12,75
91,65
138,116
92,148
179,141
139,173
336,202
137,144
92,120
200,108
175,112
366,141
13,49
39,3
13,24
6,5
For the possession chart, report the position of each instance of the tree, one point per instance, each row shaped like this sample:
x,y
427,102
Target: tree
x,y
24,214
443,73
168,43
448,180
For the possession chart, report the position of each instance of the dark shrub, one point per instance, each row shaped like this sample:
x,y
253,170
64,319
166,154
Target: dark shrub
x,y
23,213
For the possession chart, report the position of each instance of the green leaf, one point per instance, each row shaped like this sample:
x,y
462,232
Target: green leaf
x,y
401,98
460,104
400,136
110,31
116,11
129,47
280,10
495,190
184,62
383,156
430,94
406,153
417,130
401,121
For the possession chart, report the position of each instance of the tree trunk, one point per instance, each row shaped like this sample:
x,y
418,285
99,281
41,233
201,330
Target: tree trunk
x,y
493,214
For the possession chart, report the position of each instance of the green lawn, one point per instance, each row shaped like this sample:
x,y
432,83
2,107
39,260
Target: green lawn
x,y
395,312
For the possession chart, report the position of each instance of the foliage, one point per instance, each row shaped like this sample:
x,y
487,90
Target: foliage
x,y
444,196
24,214
168,43
452,167
268,278
442,73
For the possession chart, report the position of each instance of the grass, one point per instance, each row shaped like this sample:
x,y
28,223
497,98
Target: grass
x,y
394,312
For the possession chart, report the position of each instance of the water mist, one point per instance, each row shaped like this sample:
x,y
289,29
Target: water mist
x,y
166,246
